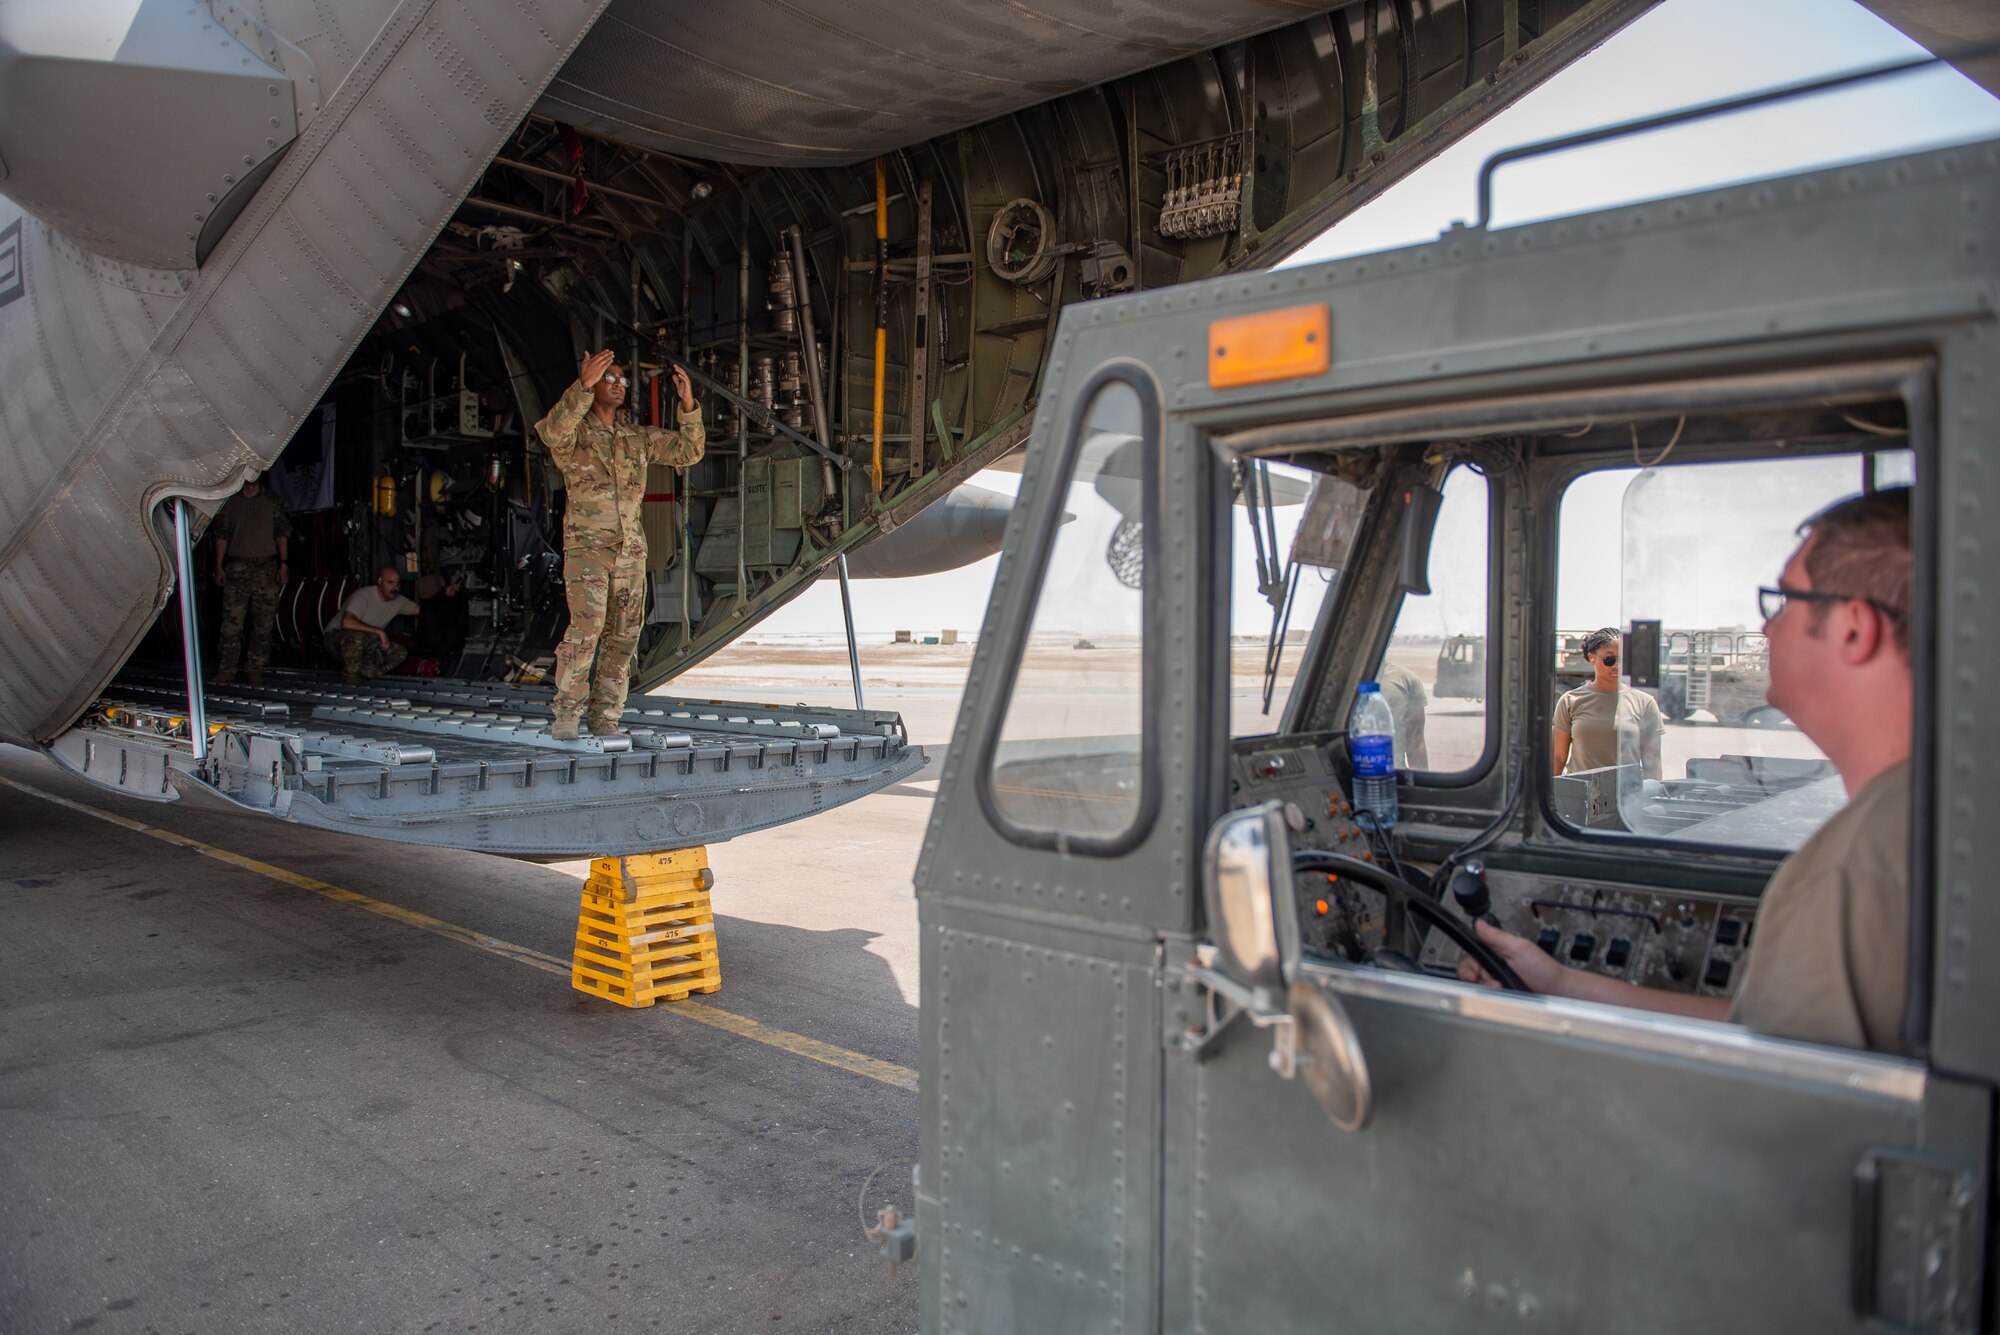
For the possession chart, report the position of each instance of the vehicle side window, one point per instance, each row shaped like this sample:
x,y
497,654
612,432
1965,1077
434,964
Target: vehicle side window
x,y
1069,763
1703,757
1433,672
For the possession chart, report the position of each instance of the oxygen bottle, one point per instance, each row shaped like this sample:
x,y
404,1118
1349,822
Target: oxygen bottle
x,y
1371,746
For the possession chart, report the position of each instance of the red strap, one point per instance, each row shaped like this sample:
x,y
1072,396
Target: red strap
x,y
658,496
573,145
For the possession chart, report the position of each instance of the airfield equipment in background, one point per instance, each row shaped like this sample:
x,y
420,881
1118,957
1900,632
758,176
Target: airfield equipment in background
x,y
1723,672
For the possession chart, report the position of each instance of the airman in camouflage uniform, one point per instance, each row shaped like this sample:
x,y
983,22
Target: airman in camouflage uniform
x,y
252,540
603,456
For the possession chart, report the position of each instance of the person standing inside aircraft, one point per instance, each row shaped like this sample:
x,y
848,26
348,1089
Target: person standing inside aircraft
x,y
1597,721
252,543
603,456
1830,959
359,636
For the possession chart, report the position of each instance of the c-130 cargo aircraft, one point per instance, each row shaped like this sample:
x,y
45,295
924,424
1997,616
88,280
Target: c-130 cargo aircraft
x,y
365,245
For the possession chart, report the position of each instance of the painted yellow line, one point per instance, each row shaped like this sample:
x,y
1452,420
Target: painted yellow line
x,y
700,1012
902,1077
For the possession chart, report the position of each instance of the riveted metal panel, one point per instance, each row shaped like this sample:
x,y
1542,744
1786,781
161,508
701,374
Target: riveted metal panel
x,y
1579,292
1037,1191
127,81
1514,1180
802,83
1967,775
965,857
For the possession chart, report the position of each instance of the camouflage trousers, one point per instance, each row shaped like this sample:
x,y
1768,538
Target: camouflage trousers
x,y
249,590
362,655
607,609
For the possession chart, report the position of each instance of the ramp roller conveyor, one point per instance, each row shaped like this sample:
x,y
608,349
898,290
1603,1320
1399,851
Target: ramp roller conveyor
x,y
471,764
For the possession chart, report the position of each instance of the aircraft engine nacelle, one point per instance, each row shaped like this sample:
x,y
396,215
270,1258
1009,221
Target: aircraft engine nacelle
x,y
968,525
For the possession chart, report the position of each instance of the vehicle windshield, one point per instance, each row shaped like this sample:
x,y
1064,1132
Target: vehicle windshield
x,y
1699,755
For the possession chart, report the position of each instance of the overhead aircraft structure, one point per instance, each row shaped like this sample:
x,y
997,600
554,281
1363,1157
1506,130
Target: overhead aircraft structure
x,y
365,245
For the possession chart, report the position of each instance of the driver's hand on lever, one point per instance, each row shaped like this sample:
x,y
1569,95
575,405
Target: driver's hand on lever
x,y
1542,974
1550,979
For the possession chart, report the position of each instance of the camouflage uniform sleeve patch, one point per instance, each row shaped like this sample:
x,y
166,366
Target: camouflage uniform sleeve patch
x,y
677,448
558,429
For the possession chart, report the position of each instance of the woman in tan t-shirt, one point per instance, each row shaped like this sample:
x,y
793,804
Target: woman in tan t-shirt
x,y
1590,719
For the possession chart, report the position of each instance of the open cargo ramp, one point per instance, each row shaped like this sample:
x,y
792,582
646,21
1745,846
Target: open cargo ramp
x,y
467,764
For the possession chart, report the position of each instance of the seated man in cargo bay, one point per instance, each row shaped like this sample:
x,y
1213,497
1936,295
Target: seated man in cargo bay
x,y
359,636
603,456
1830,958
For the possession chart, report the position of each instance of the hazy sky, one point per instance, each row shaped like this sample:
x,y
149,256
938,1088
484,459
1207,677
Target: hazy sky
x,y
1682,52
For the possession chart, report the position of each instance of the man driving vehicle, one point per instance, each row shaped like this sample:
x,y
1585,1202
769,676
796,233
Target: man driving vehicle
x,y
1830,957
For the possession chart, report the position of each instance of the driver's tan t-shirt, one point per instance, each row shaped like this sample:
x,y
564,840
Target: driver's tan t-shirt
x,y
1830,956
1595,720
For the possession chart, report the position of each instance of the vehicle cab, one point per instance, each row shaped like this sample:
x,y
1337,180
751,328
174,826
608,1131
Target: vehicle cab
x,y
1196,1055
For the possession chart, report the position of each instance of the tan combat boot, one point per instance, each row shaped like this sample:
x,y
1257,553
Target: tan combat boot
x,y
563,727
605,727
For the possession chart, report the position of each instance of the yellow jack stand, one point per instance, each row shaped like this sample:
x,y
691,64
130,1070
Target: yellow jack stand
x,y
645,929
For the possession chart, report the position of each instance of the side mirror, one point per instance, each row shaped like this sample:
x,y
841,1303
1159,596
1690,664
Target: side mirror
x,y
1252,910
1254,923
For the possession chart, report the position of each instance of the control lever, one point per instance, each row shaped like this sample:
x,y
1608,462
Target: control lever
x,y
1469,890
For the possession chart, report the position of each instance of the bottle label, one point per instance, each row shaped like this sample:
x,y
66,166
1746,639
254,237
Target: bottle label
x,y
1374,756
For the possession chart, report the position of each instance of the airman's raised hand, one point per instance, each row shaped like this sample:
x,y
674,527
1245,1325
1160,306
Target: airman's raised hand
x,y
593,368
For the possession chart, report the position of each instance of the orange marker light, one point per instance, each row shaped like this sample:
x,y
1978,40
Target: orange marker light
x,y
1271,345
1320,904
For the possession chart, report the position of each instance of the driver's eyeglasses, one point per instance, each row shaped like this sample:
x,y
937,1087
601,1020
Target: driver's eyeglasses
x,y
613,378
1771,602
1609,660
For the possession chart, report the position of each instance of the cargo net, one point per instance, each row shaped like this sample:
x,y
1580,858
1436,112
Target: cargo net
x,y
1204,189
1126,552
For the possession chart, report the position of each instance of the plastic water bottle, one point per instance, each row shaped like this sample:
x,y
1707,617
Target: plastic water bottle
x,y
1371,746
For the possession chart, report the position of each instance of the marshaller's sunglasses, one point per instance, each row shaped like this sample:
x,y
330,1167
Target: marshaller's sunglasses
x,y
1771,602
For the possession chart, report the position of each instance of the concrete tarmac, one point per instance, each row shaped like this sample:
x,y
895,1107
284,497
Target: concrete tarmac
x,y
366,1098
262,1078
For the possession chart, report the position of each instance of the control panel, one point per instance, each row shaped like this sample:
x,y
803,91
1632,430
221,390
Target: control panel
x,y
1299,771
1336,917
1678,942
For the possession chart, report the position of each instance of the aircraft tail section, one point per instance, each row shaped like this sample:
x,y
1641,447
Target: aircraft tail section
x,y
139,383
